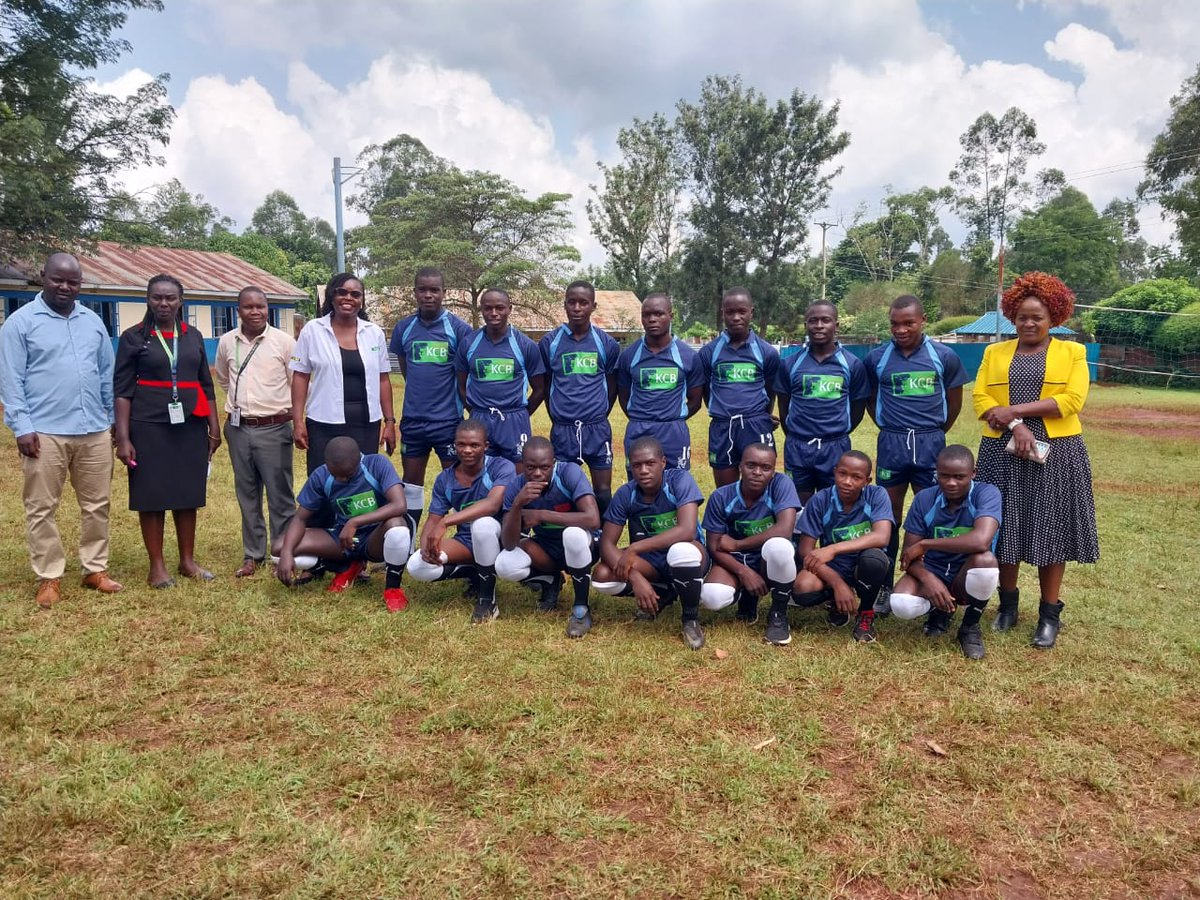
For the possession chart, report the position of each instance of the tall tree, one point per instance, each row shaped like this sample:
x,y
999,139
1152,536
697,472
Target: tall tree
x,y
989,180
61,141
636,215
304,239
172,217
392,170
479,229
1173,170
758,171
1068,238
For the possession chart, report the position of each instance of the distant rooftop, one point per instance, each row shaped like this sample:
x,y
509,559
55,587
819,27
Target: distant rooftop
x,y
986,325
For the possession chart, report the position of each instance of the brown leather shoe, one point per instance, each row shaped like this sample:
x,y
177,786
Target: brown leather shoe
x,y
48,592
100,581
249,567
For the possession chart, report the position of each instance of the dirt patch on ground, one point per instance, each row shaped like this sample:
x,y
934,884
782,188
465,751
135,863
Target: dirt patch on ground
x,y
1159,423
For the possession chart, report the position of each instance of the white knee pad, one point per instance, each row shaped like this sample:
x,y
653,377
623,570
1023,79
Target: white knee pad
x,y
414,497
423,571
304,563
513,565
982,583
612,588
683,555
714,595
485,540
780,556
396,546
577,547
909,606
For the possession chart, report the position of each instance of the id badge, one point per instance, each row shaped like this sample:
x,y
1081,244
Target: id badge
x,y
175,412
235,418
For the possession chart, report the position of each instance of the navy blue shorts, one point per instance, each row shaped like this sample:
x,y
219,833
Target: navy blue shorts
x,y
811,463
359,550
507,432
674,436
728,438
419,436
585,442
751,560
908,457
558,554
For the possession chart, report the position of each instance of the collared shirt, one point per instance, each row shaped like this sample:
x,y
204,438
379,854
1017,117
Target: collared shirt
x,y
264,387
930,517
450,496
739,378
827,520
429,350
658,381
567,485
578,369
728,512
498,371
364,492
821,392
911,390
56,372
317,354
660,513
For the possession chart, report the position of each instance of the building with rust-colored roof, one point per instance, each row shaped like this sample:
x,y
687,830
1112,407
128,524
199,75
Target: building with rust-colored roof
x,y
115,278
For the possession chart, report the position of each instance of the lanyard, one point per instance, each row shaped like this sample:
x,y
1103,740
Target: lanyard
x,y
172,355
241,366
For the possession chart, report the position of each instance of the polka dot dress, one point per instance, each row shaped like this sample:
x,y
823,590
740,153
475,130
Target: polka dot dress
x,y
1049,511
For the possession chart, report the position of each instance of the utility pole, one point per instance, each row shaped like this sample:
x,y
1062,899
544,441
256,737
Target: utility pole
x,y
824,226
340,176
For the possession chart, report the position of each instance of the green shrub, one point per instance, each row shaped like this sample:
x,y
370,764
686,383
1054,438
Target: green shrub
x,y
947,325
1181,334
1157,295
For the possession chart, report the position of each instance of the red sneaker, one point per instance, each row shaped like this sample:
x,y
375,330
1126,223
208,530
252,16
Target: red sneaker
x,y
395,598
343,580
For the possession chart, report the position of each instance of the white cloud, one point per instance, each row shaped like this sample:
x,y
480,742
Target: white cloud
x,y
125,84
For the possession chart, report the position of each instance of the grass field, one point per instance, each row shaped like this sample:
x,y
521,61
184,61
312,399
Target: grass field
x,y
238,739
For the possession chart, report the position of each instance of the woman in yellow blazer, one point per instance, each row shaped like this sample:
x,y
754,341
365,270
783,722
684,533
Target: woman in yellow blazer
x,y
1029,392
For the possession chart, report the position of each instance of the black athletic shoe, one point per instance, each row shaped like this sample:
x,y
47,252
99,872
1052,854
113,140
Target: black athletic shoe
x,y
693,634
550,593
579,625
835,618
747,607
970,639
883,603
778,631
485,611
864,627
937,622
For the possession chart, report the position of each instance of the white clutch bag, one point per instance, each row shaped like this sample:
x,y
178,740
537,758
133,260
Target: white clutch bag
x,y
1039,453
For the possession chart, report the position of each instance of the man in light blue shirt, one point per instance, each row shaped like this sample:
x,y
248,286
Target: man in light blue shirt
x,y
56,384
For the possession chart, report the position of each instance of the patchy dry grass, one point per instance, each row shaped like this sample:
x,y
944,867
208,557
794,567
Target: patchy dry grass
x,y
240,739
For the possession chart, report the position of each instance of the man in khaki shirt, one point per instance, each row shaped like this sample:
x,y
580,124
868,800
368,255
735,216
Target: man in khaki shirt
x,y
252,368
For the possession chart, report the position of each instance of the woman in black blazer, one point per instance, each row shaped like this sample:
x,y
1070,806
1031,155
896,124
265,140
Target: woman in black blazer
x,y
166,425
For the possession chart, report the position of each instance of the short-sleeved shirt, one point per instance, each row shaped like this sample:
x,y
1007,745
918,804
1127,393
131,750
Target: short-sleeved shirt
x,y
728,512
910,391
567,486
821,392
363,493
739,378
825,519
449,495
658,382
429,350
661,513
578,370
498,372
929,517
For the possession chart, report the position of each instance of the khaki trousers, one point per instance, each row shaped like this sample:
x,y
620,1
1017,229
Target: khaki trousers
x,y
88,460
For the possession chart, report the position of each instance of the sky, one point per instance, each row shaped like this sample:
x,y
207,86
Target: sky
x,y
267,92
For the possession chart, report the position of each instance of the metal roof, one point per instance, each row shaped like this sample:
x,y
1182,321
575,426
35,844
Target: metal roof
x,y
112,265
986,325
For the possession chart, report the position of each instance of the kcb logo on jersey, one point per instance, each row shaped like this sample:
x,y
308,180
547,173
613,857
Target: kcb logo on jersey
x,y
494,369
823,387
659,523
436,352
751,527
358,504
663,379
943,531
913,384
850,532
582,363
737,373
